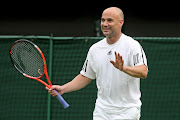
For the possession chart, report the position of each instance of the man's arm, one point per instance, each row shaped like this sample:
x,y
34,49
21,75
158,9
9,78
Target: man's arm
x,y
139,71
77,83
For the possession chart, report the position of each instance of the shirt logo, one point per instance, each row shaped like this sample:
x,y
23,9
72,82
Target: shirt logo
x,y
109,53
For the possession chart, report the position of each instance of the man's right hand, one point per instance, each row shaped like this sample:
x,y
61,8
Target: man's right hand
x,y
58,88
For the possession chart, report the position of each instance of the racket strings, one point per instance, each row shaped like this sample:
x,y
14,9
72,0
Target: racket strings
x,y
27,59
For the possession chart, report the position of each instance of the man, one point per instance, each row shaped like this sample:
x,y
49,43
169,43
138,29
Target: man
x,y
117,63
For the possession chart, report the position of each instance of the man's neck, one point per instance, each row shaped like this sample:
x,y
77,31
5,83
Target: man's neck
x,y
113,39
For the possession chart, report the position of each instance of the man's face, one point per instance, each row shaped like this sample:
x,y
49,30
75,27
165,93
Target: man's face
x,y
110,24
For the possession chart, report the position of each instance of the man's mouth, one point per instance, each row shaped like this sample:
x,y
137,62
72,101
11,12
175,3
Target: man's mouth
x,y
105,29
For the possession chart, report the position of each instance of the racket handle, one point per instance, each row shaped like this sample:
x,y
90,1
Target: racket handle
x,y
61,100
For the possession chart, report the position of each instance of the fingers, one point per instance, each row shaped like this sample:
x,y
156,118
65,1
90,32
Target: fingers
x,y
112,62
47,88
53,87
119,62
51,91
118,57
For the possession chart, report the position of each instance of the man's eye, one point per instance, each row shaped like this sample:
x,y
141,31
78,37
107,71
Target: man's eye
x,y
102,20
110,20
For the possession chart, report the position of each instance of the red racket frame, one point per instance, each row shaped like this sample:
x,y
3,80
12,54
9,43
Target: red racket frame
x,y
59,97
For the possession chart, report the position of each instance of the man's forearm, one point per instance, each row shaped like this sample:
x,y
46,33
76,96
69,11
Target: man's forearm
x,y
137,71
77,83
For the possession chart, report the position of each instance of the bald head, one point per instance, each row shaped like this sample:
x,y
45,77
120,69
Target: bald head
x,y
114,11
112,21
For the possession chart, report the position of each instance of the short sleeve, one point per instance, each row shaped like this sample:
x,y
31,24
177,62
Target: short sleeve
x,y
87,69
137,55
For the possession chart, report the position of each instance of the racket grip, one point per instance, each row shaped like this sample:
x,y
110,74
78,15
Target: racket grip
x,y
61,100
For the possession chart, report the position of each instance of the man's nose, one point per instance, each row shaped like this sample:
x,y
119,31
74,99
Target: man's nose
x,y
105,24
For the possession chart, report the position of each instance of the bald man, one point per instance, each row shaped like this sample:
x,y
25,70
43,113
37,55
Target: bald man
x,y
117,62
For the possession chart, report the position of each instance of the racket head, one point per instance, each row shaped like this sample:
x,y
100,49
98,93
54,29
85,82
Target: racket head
x,y
27,58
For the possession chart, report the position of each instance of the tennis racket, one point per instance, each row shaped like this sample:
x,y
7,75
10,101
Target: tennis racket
x,y
29,60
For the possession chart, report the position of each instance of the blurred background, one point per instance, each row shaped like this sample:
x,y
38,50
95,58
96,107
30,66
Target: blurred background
x,y
82,18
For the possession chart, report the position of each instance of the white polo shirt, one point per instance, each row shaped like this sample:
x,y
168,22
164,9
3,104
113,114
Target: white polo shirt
x,y
116,89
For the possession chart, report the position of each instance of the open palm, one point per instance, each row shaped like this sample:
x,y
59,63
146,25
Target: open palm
x,y
119,62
